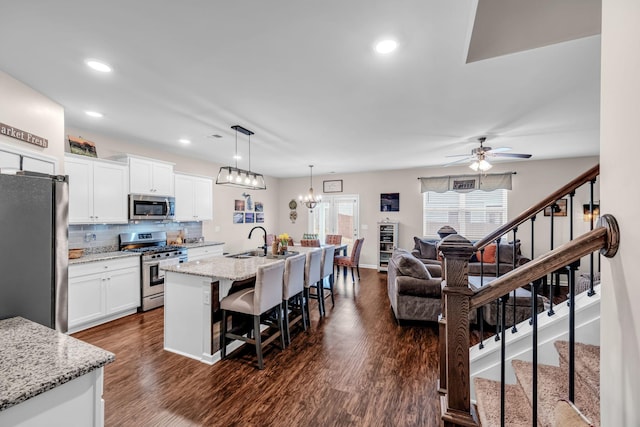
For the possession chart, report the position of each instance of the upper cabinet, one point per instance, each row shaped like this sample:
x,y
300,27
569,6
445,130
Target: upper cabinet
x,y
194,198
97,190
149,176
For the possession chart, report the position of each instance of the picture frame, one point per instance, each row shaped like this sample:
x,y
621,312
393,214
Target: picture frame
x,y
560,211
82,147
389,202
332,186
259,217
238,205
249,217
238,217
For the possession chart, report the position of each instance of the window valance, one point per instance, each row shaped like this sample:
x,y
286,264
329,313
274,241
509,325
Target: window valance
x,y
466,183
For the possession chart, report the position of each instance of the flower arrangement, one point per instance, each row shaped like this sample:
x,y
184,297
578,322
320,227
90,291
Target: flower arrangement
x,y
284,240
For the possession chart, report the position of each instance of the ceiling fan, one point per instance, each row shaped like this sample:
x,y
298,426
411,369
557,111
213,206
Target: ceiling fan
x,y
479,156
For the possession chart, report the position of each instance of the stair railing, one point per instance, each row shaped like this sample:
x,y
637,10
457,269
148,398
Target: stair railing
x,y
458,299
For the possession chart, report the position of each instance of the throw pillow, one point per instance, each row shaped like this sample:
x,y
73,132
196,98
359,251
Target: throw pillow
x,y
506,252
489,254
428,250
408,265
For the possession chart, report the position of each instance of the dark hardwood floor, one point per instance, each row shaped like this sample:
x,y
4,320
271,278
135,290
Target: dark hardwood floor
x,y
355,367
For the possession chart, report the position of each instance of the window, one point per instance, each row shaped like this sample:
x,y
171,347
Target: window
x,y
473,215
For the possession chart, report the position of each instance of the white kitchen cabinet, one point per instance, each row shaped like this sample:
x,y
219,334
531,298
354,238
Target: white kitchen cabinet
x,y
97,191
202,252
194,198
102,291
150,177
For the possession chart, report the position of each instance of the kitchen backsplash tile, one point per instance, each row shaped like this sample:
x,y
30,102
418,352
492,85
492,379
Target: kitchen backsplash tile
x,y
98,238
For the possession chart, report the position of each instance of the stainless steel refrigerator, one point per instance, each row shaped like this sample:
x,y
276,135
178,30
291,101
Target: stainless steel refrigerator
x,y
34,248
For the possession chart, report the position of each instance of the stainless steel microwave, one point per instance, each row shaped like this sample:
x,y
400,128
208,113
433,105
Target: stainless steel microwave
x,y
151,207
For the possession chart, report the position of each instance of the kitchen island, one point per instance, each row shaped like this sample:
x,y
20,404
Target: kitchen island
x,y
192,294
49,378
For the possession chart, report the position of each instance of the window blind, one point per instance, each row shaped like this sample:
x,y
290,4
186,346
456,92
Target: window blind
x,y
474,214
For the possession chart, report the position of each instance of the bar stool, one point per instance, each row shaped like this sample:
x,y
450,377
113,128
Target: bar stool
x,y
326,271
312,279
264,297
293,291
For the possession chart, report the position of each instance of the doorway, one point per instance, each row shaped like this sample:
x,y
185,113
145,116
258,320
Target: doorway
x,y
337,215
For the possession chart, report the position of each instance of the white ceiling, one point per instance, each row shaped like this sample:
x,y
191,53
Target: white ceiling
x,y
304,77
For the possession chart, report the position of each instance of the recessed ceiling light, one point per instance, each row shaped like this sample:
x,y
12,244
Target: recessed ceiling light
x,y
98,66
93,114
184,141
386,46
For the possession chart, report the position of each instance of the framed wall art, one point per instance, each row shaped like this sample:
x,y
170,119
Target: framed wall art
x,y
389,202
560,208
332,186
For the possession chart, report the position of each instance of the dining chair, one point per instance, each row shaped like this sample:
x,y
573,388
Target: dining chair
x,y
314,243
256,302
352,261
333,239
312,279
292,293
326,271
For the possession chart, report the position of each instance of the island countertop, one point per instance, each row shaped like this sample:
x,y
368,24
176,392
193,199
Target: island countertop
x,y
222,267
35,359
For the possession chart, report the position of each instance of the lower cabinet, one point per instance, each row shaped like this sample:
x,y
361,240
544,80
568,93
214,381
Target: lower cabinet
x,y
201,252
102,291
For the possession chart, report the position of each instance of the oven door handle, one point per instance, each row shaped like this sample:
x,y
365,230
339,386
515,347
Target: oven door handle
x,y
166,203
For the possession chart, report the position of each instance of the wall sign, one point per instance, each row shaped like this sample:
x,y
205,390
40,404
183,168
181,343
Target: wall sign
x,y
22,135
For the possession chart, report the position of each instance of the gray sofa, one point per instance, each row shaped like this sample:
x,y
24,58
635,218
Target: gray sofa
x,y
426,250
414,288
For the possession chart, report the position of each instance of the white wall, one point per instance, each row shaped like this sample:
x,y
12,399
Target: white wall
x,y
221,227
619,153
533,181
28,110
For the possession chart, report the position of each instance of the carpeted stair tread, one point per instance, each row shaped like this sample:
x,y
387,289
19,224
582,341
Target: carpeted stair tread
x,y
587,363
553,385
517,407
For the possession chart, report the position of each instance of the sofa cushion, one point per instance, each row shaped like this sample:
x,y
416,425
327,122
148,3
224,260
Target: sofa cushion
x,y
426,247
412,286
408,265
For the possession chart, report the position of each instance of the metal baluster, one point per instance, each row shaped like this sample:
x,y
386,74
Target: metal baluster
x,y
591,272
514,329
503,357
480,315
554,206
534,346
572,333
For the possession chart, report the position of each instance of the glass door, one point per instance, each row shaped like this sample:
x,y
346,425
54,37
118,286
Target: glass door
x,y
336,215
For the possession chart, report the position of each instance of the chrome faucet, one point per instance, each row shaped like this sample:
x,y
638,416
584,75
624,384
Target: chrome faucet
x,y
264,247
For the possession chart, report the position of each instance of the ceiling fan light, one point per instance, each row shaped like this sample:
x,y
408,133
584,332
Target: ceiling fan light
x,y
484,166
475,165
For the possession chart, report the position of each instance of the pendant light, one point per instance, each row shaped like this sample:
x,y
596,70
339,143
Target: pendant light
x,y
310,200
236,177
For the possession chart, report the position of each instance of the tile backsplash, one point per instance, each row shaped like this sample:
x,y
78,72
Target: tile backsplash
x,y
104,237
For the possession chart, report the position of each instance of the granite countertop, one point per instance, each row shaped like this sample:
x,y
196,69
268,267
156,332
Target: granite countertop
x,y
201,244
35,359
101,257
223,267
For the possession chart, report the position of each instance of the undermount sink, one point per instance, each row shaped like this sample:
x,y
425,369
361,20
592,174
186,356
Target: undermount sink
x,y
247,254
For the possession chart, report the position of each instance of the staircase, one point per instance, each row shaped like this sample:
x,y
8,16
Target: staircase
x,y
553,410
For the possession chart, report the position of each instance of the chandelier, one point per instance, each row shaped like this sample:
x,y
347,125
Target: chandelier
x,y
310,200
236,177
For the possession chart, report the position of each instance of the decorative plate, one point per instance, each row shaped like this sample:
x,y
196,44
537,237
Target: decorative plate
x,y
293,215
293,204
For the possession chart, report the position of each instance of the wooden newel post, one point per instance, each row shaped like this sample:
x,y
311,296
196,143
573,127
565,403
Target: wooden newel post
x,y
457,250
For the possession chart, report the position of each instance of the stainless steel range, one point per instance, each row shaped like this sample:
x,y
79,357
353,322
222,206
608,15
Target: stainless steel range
x,y
156,254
